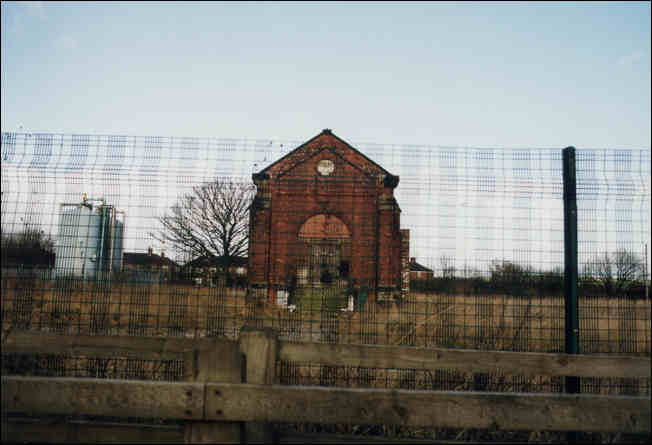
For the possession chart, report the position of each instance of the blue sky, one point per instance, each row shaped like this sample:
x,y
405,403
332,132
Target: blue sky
x,y
247,82
470,74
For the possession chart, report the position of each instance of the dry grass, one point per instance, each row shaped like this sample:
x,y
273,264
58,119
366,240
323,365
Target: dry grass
x,y
428,320
465,321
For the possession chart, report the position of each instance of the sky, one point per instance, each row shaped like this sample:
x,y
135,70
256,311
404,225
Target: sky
x,y
469,103
462,74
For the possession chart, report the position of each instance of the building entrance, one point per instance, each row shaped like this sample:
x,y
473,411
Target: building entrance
x,y
323,267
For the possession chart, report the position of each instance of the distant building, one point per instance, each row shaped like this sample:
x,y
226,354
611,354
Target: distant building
x,y
149,266
325,217
419,272
204,269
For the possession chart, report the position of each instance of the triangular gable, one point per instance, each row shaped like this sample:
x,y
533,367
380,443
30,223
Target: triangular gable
x,y
416,267
325,139
330,149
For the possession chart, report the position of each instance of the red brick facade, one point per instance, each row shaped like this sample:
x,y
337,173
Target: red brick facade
x,y
325,205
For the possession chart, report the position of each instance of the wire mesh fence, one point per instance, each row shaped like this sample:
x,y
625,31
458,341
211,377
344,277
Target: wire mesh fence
x,y
198,237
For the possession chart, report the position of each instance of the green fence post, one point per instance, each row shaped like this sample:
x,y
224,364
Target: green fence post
x,y
570,253
572,324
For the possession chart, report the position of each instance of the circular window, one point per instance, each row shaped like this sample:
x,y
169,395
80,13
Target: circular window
x,y
325,167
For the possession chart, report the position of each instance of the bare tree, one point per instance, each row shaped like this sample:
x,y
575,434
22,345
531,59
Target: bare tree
x,y
447,265
617,272
212,221
511,276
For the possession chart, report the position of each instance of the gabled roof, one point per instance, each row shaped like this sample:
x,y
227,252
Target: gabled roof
x,y
207,261
318,143
329,149
146,259
416,267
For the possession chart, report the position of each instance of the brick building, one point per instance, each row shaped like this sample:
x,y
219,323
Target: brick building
x,y
148,267
419,271
325,217
207,271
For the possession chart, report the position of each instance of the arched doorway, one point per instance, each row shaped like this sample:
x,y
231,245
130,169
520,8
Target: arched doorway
x,y
325,256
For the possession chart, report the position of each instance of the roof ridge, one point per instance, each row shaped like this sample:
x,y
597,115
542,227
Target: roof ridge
x,y
329,132
316,153
419,265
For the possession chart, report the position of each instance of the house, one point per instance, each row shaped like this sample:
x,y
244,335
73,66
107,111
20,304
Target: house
x,y
419,272
324,216
204,269
149,266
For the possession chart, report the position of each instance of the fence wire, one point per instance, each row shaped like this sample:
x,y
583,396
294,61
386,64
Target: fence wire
x,y
117,235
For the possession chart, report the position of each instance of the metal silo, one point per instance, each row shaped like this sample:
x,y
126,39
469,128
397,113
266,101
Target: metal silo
x,y
90,239
77,241
117,243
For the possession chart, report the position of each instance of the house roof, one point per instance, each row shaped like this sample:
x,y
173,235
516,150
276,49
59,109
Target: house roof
x,y
213,261
322,142
146,259
416,267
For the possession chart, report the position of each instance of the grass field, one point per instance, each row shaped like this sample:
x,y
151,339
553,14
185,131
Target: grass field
x,y
423,319
498,322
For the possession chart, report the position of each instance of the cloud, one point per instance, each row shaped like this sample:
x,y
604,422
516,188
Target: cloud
x,y
631,59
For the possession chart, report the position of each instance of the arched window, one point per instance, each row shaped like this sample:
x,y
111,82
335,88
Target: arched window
x,y
324,226
325,261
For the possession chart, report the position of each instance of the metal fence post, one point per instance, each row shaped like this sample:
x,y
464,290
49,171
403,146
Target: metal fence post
x,y
570,253
572,324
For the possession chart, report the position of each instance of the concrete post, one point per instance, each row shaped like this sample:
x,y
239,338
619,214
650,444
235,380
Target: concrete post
x,y
217,362
259,348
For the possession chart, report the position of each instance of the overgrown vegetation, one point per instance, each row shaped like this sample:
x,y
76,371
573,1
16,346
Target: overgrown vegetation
x,y
31,247
618,274
478,321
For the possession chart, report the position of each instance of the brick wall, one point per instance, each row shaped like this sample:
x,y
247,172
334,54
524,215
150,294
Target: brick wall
x,y
291,191
405,262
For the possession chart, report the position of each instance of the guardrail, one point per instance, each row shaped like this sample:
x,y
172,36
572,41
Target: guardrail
x,y
228,382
